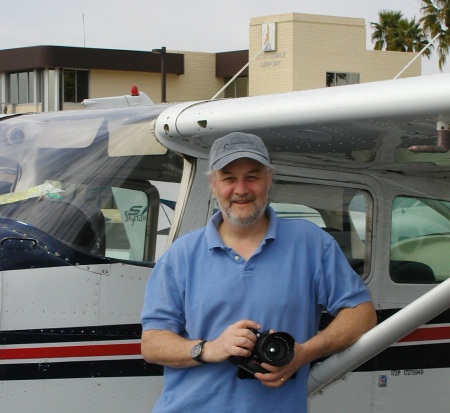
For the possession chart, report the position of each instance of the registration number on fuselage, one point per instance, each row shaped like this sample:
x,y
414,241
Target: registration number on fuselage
x,y
408,372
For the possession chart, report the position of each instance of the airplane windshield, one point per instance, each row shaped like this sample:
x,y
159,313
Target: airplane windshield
x,y
86,186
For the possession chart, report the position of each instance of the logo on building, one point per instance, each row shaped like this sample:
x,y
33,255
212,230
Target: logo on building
x,y
268,37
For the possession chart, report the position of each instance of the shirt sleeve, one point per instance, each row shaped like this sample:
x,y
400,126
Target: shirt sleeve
x,y
338,286
163,301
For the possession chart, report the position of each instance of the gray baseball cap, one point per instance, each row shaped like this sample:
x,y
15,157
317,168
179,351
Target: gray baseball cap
x,y
237,145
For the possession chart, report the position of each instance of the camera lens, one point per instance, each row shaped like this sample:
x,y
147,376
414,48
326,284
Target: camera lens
x,y
276,349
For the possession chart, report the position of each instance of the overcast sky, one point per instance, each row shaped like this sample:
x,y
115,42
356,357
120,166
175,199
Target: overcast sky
x,y
200,25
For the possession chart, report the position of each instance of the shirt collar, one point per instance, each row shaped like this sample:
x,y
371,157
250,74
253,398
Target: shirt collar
x,y
214,239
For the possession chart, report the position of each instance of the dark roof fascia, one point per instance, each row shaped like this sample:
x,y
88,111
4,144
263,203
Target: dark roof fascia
x,y
36,57
229,63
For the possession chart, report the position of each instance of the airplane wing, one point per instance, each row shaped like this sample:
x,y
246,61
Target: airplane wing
x,y
371,123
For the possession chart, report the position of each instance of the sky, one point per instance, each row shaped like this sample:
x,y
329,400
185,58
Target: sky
x,y
200,25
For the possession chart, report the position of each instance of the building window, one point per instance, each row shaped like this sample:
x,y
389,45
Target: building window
x,y
238,88
21,87
340,79
75,85
51,100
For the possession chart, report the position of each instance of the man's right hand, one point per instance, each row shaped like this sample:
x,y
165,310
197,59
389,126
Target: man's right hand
x,y
169,349
236,340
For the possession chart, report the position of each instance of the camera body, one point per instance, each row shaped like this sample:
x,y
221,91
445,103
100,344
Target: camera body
x,y
276,349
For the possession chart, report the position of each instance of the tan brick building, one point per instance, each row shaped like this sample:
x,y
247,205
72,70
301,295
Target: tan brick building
x,y
301,52
198,80
308,47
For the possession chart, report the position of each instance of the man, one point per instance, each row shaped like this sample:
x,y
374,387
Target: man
x,y
246,269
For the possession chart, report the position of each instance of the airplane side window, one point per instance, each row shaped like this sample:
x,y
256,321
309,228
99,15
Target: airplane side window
x,y
106,221
126,224
345,213
168,193
9,175
120,218
420,240
138,223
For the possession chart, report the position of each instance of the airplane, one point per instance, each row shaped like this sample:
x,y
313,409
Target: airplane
x,y
90,199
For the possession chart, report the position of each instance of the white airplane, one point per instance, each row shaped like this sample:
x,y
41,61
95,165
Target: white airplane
x,y
90,199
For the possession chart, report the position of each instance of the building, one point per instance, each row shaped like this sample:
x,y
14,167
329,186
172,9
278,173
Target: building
x,y
293,52
311,51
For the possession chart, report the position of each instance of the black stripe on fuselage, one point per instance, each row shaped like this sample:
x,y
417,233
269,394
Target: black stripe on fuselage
x,y
383,315
133,331
71,334
79,369
408,357
419,356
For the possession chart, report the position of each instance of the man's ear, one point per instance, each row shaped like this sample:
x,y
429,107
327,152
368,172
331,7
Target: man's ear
x,y
213,187
269,181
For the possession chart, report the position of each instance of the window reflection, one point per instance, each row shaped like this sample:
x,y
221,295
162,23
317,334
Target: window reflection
x,y
21,87
75,85
420,240
341,79
13,88
345,213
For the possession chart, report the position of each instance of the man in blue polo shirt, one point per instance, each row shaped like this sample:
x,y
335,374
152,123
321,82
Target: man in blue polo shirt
x,y
247,269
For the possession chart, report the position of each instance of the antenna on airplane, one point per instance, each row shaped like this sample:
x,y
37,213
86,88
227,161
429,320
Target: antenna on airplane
x,y
84,32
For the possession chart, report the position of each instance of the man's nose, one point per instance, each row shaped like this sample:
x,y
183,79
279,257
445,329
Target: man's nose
x,y
241,187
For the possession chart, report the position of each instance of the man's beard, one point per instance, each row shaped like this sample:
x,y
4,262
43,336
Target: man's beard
x,y
246,221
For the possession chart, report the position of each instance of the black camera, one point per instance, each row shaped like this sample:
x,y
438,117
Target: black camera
x,y
276,349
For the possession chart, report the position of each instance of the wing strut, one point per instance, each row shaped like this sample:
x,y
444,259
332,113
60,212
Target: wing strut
x,y
238,73
418,54
420,311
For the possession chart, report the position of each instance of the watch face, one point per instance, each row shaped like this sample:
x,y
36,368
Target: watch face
x,y
196,350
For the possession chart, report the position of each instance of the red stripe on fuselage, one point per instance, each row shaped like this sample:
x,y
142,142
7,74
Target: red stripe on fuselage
x,y
132,349
427,334
98,350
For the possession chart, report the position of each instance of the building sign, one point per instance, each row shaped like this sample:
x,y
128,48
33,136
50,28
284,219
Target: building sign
x,y
268,37
271,59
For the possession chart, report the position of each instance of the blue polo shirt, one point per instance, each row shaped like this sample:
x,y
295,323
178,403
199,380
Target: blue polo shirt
x,y
200,286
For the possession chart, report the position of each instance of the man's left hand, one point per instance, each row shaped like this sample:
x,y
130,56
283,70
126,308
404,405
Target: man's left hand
x,y
277,376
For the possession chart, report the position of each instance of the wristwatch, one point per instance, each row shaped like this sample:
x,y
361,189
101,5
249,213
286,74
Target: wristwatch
x,y
197,351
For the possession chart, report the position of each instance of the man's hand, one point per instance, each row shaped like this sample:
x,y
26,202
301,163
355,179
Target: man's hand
x,y
236,340
348,326
277,376
169,349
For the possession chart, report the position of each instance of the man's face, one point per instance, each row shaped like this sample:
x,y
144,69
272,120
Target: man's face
x,y
242,191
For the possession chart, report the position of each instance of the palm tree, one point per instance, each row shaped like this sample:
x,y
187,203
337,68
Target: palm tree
x,y
436,21
410,37
385,29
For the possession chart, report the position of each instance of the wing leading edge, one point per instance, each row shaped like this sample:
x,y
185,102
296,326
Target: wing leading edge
x,y
352,123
